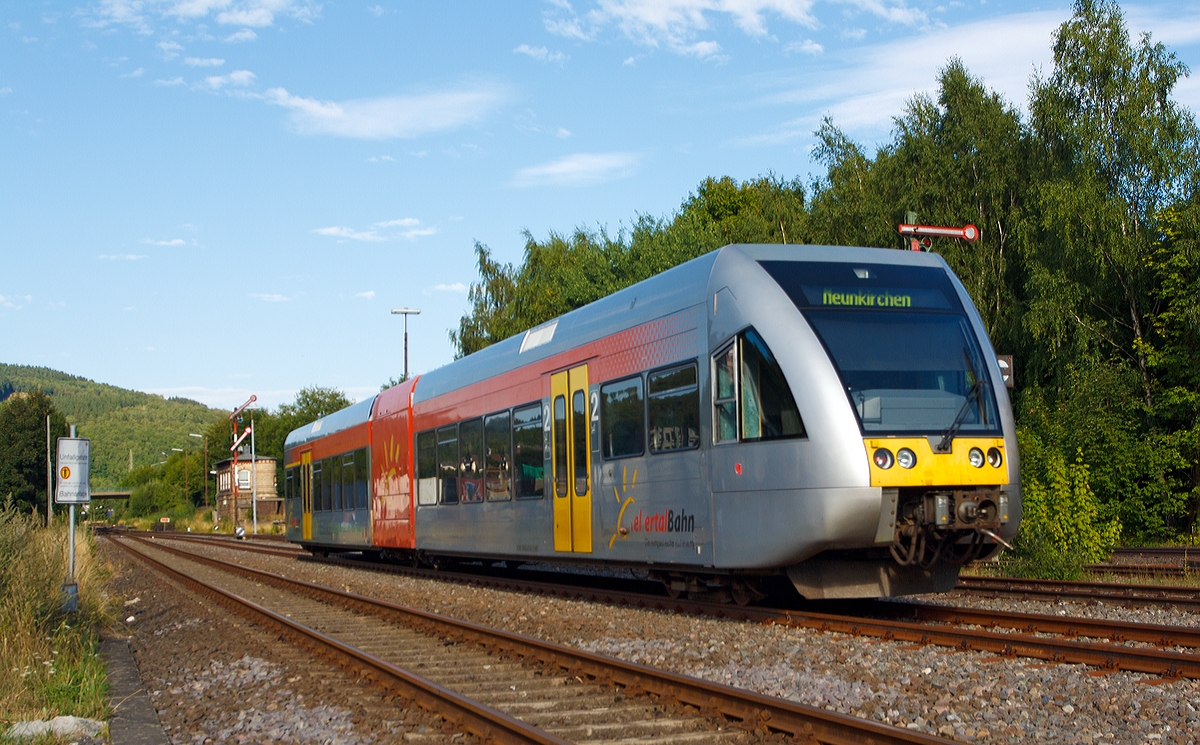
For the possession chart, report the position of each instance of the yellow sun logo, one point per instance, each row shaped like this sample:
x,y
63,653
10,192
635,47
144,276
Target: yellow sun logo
x,y
626,486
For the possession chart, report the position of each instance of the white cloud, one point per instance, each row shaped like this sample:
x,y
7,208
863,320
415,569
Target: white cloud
x,y
381,159
170,242
172,81
203,61
457,288
135,13
381,231
629,62
403,222
243,35
368,236
580,169
377,10
808,46
241,78
541,54
675,23
857,34
135,74
122,257
5,91
562,133
369,294
388,116
270,298
416,233
895,11
870,87
15,301
170,49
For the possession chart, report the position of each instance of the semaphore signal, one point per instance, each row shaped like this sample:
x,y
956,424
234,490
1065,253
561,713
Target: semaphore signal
x,y
921,236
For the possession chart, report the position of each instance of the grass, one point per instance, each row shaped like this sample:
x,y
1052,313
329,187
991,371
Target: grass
x,y
49,661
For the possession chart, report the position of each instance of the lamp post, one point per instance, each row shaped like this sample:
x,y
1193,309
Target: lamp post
x,y
406,312
185,494
205,438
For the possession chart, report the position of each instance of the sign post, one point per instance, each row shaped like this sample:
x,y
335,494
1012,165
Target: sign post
x,y
74,467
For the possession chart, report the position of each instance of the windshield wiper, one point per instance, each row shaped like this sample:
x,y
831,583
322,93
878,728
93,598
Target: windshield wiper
x,y
972,396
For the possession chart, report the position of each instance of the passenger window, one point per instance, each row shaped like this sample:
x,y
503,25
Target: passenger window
x,y
427,468
498,436
335,481
362,480
768,410
287,483
528,451
447,455
579,427
318,492
725,395
674,409
348,500
560,446
470,444
327,483
622,418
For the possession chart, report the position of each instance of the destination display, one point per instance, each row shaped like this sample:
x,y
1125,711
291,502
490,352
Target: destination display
x,y
859,297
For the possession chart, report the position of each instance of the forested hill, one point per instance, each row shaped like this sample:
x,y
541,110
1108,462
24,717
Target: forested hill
x,y
116,420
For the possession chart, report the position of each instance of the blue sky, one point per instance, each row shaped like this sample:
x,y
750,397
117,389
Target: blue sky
x,y
212,198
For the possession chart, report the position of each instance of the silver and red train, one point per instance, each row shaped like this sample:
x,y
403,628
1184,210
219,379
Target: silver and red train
x,y
833,416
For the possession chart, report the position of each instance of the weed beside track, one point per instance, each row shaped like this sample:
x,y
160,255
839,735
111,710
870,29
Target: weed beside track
x,y
49,661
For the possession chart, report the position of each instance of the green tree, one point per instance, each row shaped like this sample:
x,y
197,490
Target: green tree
x,y
23,447
563,273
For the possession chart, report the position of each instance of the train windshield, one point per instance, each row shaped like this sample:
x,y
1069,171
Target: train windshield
x,y
901,342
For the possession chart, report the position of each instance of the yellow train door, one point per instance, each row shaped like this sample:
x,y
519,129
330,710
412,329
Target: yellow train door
x,y
306,496
571,458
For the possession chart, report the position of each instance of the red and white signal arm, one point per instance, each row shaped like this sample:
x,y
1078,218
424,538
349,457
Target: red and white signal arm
x,y
967,232
73,471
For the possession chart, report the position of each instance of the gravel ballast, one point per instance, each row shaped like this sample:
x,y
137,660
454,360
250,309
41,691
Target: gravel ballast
x,y
967,696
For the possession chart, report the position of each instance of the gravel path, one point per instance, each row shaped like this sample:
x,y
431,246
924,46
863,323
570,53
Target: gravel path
x,y
968,696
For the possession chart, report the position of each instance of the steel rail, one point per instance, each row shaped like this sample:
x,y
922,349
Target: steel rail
x,y
1028,623
482,721
1187,598
1034,623
227,543
753,710
1172,570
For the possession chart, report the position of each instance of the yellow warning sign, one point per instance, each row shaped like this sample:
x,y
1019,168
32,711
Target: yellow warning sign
x,y
66,473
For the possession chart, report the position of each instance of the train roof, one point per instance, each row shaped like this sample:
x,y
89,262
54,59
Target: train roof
x,y
679,287
346,418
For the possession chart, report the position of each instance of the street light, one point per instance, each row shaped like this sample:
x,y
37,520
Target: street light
x,y
406,312
205,438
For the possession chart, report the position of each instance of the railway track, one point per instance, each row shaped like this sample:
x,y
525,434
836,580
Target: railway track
x,y
1181,553
505,687
1023,638
1117,593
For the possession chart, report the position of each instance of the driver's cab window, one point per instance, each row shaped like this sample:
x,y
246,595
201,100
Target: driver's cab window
x,y
751,398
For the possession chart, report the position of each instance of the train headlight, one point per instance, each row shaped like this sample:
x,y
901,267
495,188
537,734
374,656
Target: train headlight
x,y
884,458
906,458
995,458
976,457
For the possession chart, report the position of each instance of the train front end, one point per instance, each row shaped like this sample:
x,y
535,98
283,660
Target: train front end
x,y
915,468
